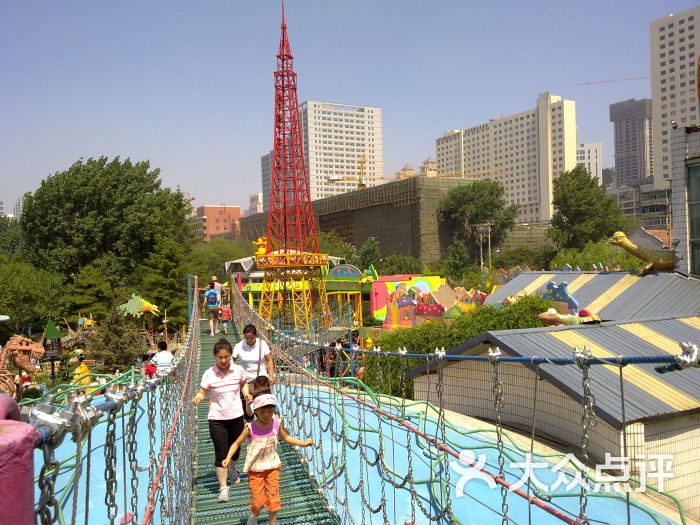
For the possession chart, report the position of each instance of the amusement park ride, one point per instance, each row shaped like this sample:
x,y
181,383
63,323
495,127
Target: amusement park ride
x,y
291,260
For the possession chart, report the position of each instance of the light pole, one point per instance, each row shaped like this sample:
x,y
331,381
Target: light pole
x,y
481,229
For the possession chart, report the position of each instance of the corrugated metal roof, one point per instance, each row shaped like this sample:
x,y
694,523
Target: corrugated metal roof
x,y
647,393
616,295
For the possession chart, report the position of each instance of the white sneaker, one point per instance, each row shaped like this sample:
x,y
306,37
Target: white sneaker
x,y
223,494
252,520
211,334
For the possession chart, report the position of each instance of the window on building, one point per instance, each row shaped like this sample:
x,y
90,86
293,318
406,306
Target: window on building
x,y
694,218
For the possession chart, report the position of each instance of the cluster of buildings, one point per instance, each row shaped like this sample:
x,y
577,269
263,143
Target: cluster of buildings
x,y
524,152
16,210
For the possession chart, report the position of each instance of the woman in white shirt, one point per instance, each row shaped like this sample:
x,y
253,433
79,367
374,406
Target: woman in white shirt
x,y
255,356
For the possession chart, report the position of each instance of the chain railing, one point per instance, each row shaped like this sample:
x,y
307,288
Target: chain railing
x,y
114,437
384,459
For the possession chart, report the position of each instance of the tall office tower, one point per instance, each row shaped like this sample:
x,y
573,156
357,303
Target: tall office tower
x,y
2,208
266,170
590,156
673,40
633,141
523,152
336,137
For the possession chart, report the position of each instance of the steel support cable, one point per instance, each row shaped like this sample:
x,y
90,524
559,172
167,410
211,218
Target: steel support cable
x,y
165,452
587,421
416,431
87,479
76,475
533,424
625,452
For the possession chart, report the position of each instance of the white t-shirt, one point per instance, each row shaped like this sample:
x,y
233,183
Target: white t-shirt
x,y
162,359
249,357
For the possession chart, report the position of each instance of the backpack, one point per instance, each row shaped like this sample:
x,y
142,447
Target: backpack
x,y
212,298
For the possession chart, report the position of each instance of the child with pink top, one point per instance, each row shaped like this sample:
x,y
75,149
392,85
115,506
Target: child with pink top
x,y
262,462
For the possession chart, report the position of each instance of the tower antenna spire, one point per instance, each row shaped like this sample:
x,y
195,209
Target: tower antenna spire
x,y
284,24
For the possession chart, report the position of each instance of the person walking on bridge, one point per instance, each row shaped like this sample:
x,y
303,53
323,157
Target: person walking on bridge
x,y
226,381
255,356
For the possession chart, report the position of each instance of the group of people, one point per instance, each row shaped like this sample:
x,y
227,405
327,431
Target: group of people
x,y
242,407
217,305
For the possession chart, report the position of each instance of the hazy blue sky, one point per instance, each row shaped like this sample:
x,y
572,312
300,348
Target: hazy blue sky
x,y
189,85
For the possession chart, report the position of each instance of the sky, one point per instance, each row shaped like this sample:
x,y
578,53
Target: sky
x,y
189,85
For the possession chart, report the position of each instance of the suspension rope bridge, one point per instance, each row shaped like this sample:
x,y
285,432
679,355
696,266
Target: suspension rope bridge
x,y
140,453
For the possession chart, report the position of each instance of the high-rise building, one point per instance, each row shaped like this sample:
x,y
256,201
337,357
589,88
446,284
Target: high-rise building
x,y
335,137
633,141
673,40
17,211
590,156
2,208
256,203
218,221
523,152
266,170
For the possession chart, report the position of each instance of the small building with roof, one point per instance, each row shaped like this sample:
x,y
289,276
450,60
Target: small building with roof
x,y
658,414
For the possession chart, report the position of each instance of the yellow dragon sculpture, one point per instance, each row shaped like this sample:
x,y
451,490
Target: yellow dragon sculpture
x,y
657,259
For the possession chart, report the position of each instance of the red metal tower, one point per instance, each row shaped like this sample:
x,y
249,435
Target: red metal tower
x,y
293,280
290,224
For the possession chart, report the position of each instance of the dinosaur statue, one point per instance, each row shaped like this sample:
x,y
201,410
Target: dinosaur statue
x,y
20,350
657,259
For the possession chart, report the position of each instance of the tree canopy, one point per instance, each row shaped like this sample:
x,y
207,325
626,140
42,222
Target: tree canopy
x,y
467,208
399,265
29,295
101,209
597,253
582,211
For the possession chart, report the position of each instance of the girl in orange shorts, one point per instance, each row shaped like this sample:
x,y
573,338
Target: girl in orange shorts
x,y
262,462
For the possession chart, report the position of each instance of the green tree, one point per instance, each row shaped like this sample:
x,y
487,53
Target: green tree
x,y
535,259
10,237
466,209
118,343
458,261
209,257
29,295
582,211
90,293
333,244
400,264
597,253
387,374
101,209
164,275
368,254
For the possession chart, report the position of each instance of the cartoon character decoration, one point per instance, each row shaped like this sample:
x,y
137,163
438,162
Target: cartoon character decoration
x,y
261,245
553,318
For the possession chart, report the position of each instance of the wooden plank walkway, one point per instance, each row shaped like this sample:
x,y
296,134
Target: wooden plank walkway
x,y
301,501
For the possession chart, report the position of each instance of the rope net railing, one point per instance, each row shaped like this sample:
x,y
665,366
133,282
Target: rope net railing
x,y
131,449
408,457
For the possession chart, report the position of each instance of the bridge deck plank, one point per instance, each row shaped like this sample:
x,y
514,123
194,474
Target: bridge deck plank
x,y
301,501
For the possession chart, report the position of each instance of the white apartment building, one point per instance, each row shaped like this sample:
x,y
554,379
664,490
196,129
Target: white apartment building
x,y
256,203
335,137
523,152
673,41
590,156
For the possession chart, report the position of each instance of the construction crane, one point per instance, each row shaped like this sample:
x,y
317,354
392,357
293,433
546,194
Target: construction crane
x,y
361,178
623,79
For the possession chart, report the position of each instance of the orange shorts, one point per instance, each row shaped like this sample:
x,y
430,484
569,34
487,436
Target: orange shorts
x,y
264,490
